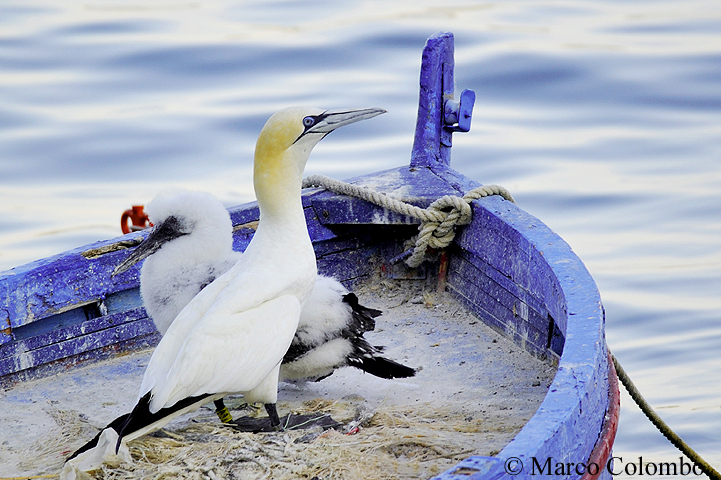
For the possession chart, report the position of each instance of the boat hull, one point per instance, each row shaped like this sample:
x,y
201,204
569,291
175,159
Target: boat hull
x,y
506,266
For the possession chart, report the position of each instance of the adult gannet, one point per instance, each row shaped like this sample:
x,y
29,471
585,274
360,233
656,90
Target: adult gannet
x,y
189,246
232,336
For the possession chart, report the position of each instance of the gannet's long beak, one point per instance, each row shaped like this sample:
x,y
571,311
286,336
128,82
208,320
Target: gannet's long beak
x,y
161,234
332,119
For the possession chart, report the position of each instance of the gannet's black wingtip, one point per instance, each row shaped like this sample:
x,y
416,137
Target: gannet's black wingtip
x,y
367,358
138,418
141,417
115,425
383,367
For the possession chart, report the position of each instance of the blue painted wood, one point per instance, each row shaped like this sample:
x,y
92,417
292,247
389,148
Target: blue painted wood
x,y
53,358
415,185
432,142
245,213
94,338
503,311
53,285
43,339
499,286
497,243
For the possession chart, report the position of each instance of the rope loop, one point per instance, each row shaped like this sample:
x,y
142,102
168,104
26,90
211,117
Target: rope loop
x,y
438,221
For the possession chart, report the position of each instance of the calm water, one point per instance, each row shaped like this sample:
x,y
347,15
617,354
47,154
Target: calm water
x,y
603,118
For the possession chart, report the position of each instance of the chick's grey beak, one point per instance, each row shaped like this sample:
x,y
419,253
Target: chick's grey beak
x,y
160,235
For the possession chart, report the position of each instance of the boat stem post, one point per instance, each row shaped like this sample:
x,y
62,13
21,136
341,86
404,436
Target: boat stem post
x,y
439,115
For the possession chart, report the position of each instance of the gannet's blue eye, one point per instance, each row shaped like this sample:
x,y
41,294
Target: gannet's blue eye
x,y
308,121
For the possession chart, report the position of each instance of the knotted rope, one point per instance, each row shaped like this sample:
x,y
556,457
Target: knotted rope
x,y
438,221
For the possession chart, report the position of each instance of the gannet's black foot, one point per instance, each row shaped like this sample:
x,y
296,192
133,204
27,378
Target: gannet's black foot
x,y
272,423
273,416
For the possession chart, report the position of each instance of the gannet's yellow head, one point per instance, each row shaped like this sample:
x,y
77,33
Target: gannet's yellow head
x,y
285,143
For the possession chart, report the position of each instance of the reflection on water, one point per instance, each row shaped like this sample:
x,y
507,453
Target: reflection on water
x,y
602,118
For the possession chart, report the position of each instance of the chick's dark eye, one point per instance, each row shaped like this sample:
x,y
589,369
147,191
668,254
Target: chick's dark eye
x,y
308,121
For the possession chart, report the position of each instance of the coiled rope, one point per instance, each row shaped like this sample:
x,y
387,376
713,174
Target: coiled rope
x,y
437,231
661,425
438,221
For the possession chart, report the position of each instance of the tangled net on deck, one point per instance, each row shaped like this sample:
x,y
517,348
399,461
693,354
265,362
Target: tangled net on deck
x,y
397,442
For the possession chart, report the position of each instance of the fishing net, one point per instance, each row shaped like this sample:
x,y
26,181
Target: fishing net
x,y
392,442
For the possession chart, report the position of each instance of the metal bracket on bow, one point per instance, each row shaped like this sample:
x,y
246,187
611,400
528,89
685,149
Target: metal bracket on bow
x,y
457,115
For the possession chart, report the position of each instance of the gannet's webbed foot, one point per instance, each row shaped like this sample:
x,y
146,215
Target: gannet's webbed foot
x,y
273,423
222,411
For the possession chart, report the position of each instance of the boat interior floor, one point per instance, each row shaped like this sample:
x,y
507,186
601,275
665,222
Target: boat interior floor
x,y
473,391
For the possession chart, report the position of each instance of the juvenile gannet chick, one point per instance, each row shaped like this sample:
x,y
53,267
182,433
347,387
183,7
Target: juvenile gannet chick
x,y
232,336
330,336
195,233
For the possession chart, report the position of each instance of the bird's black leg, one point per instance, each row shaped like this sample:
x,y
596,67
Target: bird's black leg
x,y
273,415
222,411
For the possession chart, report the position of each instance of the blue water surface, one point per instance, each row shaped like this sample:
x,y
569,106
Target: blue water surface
x,y
603,119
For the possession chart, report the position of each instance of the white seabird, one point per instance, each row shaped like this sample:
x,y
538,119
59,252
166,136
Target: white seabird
x,y
232,336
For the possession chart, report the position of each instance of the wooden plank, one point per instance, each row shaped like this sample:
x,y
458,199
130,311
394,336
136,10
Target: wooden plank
x,y
51,352
349,259
317,231
69,332
415,185
244,213
346,267
60,283
134,342
339,210
496,243
498,285
509,314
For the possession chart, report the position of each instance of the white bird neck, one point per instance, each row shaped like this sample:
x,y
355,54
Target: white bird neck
x,y
277,178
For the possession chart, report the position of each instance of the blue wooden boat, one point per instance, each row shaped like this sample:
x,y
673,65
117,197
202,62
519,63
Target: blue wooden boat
x,y
507,266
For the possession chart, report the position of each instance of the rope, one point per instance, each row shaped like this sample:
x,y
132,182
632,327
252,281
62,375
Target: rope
x,y
661,425
438,221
